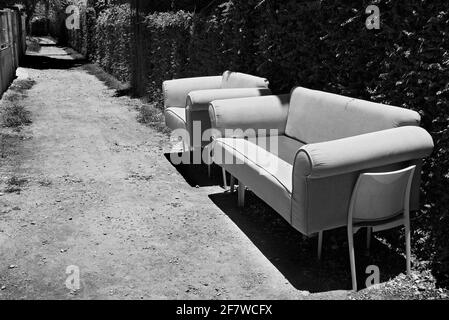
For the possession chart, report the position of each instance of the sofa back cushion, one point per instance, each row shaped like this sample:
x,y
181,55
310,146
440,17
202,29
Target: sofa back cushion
x,y
233,80
316,116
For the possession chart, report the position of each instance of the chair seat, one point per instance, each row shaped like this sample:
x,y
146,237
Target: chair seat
x,y
266,170
377,222
175,118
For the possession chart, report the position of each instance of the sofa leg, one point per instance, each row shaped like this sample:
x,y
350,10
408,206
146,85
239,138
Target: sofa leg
x,y
209,161
241,196
225,182
369,232
320,244
352,257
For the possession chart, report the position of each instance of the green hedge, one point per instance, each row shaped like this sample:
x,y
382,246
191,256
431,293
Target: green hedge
x,y
405,63
167,36
317,44
113,41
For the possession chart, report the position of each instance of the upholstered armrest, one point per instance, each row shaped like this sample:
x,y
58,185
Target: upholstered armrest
x,y
363,152
200,100
269,113
176,91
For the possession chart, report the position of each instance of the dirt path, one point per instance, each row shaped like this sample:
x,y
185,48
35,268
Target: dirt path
x,y
101,195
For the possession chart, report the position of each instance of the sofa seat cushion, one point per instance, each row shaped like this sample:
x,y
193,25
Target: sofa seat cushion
x,y
263,167
175,118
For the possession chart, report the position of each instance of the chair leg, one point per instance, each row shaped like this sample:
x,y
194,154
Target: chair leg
x,y
232,184
241,195
408,246
225,182
352,257
320,244
369,235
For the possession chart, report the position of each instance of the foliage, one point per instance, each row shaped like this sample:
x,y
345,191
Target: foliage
x,y
167,37
175,5
113,41
151,115
39,26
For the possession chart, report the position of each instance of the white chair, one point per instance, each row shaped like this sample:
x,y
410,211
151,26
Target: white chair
x,y
380,201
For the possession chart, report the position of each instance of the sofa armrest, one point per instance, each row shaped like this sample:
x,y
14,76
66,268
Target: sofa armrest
x,y
257,113
362,152
200,100
176,91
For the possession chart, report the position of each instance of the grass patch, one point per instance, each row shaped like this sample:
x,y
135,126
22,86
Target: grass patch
x,y
148,114
12,111
15,184
45,182
109,80
8,142
13,96
152,116
17,90
22,85
33,44
15,115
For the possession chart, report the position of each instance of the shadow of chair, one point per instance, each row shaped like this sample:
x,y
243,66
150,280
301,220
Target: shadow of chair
x,y
295,256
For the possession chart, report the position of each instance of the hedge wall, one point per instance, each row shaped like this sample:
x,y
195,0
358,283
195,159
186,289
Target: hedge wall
x,y
405,63
167,38
113,41
323,45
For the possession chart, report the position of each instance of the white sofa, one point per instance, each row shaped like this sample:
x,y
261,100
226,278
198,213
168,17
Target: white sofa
x,y
187,100
324,142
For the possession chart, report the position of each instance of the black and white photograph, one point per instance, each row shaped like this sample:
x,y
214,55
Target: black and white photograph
x,y
203,152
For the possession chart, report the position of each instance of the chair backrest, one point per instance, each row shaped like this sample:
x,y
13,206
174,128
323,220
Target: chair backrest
x,y
233,80
317,116
381,196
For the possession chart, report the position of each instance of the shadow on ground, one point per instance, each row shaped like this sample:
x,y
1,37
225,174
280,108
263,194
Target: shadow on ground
x,y
121,89
295,256
197,175
60,61
292,254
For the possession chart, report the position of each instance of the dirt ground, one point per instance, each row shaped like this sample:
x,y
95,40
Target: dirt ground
x,y
95,190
